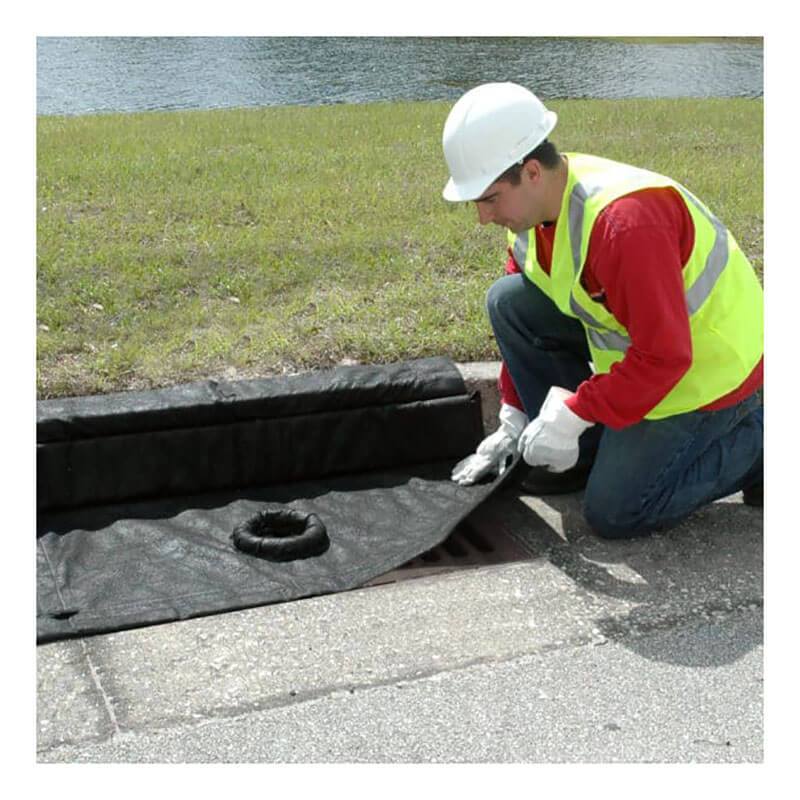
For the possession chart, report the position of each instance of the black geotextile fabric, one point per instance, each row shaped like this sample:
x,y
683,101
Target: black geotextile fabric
x,y
138,493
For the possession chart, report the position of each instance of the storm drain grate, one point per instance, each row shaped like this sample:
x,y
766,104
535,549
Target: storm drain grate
x,y
467,546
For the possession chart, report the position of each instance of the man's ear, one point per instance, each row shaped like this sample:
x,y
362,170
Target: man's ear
x,y
533,169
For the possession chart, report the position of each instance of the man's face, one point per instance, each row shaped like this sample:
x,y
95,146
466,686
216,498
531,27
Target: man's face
x,y
513,207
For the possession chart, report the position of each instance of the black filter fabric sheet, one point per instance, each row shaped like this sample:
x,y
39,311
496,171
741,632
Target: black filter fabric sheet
x,y
138,493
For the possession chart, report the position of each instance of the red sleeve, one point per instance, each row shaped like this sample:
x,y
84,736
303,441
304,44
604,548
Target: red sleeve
x,y
508,394
511,265
637,254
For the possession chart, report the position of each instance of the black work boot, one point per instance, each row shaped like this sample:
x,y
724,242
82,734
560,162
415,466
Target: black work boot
x,y
540,480
753,495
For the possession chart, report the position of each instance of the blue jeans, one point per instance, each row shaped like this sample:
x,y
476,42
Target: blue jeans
x,y
648,476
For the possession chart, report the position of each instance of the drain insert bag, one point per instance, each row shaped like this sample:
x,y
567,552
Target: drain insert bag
x,y
137,493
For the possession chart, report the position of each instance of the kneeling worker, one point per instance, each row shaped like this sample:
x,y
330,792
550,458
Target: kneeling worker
x,y
626,270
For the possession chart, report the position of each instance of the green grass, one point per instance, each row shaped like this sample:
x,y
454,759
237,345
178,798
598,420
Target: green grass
x,y
177,246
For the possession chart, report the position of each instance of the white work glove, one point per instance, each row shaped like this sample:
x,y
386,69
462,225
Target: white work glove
x,y
551,440
495,451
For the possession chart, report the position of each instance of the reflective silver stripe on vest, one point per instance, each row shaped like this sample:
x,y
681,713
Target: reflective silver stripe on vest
x,y
605,339
577,203
715,263
521,249
602,338
608,341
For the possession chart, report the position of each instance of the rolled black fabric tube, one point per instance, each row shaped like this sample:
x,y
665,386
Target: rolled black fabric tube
x,y
281,535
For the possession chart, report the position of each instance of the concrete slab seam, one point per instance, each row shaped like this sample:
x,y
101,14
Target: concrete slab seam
x,y
107,701
298,698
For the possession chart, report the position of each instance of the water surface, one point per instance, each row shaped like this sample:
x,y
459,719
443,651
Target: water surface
x,y
83,75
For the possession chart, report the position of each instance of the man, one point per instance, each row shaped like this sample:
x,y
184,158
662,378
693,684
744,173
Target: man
x,y
629,321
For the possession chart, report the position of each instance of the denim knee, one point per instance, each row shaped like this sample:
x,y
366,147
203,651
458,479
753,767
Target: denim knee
x,y
496,300
612,520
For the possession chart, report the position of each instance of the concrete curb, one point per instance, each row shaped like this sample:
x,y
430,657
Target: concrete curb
x,y
482,377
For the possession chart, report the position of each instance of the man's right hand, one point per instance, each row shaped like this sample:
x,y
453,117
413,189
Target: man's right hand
x,y
495,452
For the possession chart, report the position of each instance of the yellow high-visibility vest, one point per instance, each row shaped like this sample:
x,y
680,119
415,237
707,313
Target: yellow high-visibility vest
x,y
723,294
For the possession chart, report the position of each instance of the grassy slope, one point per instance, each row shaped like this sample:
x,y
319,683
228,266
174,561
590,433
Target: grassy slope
x,y
174,246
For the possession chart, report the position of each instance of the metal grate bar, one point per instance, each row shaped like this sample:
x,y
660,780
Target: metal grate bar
x,y
467,546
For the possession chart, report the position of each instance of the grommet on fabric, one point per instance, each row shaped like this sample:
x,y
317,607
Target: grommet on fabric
x,y
281,535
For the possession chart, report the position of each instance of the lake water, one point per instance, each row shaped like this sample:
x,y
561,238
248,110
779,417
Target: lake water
x,y
87,75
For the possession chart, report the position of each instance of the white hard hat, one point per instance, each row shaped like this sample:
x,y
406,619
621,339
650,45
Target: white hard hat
x,y
490,128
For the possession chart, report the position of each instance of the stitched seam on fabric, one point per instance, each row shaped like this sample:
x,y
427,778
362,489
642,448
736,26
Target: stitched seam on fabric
x,y
256,598
248,420
60,596
122,606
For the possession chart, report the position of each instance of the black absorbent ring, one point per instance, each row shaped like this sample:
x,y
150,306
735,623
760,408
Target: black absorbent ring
x,y
281,535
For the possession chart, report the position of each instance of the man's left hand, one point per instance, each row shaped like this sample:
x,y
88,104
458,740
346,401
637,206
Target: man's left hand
x,y
551,440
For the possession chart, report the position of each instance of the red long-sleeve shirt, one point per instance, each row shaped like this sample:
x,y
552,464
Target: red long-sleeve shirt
x,y
638,248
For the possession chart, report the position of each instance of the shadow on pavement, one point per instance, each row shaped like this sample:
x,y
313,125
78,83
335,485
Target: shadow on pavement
x,y
695,574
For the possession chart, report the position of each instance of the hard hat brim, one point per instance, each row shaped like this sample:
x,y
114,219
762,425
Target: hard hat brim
x,y
456,194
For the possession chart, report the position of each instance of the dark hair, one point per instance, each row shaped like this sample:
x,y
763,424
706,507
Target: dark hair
x,y
546,154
